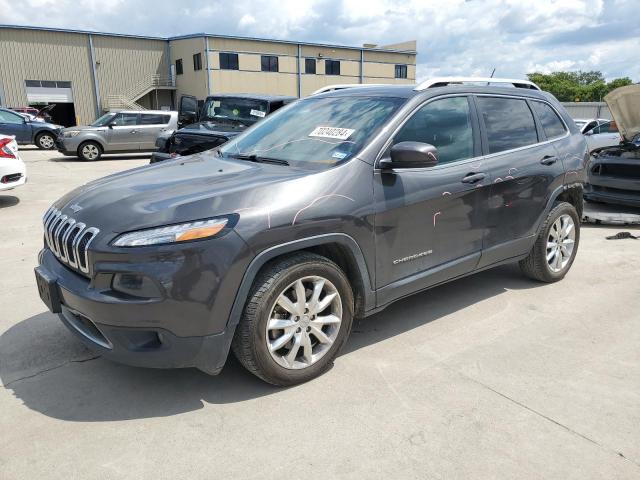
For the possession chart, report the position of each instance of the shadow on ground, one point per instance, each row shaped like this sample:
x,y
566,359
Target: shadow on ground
x,y
51,371
7,201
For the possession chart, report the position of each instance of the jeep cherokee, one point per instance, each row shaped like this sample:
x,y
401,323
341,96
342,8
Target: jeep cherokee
x,y
332,208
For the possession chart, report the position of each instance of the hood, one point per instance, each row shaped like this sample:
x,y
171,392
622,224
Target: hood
x,y
174,191
624,103
214,128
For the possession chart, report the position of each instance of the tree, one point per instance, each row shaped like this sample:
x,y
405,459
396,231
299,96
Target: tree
x,y
577,86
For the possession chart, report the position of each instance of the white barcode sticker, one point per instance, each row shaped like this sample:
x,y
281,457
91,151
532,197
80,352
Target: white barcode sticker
x,y
257,113
332,132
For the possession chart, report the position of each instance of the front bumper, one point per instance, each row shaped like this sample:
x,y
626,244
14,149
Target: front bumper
x,y
166,332
614,180
67,145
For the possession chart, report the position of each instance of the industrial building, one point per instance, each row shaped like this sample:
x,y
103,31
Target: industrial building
x,y
88,73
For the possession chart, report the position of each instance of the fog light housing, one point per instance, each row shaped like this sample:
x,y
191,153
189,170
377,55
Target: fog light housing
x,y
135,285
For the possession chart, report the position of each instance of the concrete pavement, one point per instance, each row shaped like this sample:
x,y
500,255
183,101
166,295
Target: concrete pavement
x,y
492,376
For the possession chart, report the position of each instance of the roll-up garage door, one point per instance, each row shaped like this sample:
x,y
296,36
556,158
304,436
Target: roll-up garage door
x,y
45,91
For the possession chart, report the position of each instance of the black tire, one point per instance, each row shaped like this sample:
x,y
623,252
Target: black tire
x,y
536,265
250,344
45,141
84,153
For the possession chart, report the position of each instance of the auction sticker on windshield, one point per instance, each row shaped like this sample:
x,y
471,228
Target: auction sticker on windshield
x,y
257,113
332,132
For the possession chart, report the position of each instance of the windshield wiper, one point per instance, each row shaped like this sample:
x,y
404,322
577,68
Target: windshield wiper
x,y
255,158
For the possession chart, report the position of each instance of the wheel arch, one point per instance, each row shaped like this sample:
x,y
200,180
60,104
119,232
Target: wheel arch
x,y
570,193
337,247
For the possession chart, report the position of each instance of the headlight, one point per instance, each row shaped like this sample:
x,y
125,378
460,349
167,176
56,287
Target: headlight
x,y
183,232
70,133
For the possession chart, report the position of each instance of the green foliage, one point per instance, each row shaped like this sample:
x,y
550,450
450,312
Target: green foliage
x,y
577,86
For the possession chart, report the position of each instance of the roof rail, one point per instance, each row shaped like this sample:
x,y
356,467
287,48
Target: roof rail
x,y
341,86
444,81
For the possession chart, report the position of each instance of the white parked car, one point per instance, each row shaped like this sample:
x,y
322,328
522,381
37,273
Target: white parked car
x,y
13,172
599,132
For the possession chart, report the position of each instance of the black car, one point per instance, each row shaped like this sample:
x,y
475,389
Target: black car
x,y
330,209
614,172
222,117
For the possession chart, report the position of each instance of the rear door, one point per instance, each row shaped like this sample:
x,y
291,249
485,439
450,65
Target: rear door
x,y
13,124
525,170
124,133
152,125
430,221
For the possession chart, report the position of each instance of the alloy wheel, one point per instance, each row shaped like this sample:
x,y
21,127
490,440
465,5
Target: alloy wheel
x,y
304,322
90,152
46,141
560,243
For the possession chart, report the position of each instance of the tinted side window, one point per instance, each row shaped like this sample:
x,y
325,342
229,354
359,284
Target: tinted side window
x,y
551,123
606,127
509,123
125,119
445,124
153,119
8,117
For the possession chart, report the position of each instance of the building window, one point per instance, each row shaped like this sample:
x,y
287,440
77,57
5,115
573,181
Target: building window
x,y
310,66
228,61
47,83
332,67
179,66
269,63
197,61
401,71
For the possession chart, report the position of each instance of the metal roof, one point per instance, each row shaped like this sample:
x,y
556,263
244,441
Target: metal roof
x,y
202,35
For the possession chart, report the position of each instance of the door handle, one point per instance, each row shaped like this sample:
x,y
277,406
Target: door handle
x,y
473,177
548,160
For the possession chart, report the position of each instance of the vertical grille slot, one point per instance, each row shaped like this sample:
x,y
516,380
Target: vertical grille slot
x,y
67,239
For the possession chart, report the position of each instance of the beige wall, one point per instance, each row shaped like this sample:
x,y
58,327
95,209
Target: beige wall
x,y
126,65
235,81
42,55
190,82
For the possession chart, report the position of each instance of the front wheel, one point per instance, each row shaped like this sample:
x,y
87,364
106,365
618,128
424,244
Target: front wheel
x,y
298,316
89,151
45,141
556,246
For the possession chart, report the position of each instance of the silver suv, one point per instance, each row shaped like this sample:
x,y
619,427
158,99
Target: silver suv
x,y
117,132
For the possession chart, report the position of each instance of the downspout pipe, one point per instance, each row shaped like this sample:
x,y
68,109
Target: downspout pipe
x,y
94,76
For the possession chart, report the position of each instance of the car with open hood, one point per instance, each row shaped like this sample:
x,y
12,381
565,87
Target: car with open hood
x,y
614,171
27,131
221,118
331,209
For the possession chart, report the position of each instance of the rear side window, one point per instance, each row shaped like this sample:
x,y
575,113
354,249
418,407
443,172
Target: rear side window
x,y
551,123
153,119
509,123
445,124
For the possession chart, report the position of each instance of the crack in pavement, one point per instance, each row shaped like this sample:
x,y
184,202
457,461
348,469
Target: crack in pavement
x,y
47,370
569,429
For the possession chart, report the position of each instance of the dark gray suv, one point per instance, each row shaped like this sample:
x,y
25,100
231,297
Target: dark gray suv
x,y
332,208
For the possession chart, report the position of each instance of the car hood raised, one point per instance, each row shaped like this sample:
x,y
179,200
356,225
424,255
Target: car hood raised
x,y
624,103
191,188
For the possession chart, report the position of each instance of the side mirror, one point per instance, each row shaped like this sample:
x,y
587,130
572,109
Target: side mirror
x,y
111,124
590,132
411,155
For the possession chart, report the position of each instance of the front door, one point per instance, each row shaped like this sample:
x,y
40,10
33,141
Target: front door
x,y
525,169
124,133
430,221
13,124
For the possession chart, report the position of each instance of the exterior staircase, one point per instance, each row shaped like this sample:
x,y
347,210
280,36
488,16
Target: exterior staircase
x,y
127,99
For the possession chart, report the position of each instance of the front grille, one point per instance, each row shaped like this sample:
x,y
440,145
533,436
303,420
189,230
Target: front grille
x,y
68,240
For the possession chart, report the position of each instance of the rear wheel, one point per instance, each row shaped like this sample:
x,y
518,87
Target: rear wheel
x,y
45,141
297,318
556,246
89,151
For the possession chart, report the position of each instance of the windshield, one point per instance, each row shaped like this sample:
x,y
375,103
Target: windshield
x,y
315,131
103,120
235,111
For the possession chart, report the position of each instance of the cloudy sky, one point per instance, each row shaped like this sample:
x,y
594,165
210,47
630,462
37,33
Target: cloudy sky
x,y
454,36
